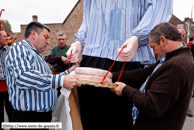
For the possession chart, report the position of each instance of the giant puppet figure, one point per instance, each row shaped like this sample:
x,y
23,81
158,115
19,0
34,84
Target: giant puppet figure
x,y
107,26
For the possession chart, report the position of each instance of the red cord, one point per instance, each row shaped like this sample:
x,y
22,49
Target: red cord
x,y
69,61
121,71
109,68
112,65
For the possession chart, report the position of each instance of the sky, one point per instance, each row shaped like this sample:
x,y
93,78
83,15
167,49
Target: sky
x,y
19,12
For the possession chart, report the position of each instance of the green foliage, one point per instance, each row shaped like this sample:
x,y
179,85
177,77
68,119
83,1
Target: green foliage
x,y
7,23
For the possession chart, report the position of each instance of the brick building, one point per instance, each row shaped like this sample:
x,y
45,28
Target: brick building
x,y
70,26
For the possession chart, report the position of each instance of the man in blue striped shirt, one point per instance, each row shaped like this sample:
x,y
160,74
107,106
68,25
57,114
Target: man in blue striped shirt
x,y
32,87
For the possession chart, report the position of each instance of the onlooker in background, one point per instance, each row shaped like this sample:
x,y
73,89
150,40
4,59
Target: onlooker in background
x,y
190,41
163,99
183,34
4,98
57,56
31,85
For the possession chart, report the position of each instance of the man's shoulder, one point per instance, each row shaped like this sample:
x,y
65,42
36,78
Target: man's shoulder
x,y
23,45
6,47
54,47
182,60
68,45
17,48
191,45
16,44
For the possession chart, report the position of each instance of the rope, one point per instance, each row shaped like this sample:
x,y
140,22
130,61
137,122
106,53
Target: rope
x,y
69,61
121,71
113,64
109,68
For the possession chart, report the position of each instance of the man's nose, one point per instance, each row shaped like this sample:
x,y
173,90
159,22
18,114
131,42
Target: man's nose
x,y
48,42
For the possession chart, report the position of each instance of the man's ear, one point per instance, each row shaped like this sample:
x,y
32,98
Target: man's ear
x,y
66,39
33,34
163,41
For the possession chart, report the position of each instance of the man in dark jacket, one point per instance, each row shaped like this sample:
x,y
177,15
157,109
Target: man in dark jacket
x,y
163,99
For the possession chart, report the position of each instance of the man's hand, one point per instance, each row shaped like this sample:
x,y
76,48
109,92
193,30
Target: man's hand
x,y
71,81
73,68
55,65
76,49
118,90
65,60
129,51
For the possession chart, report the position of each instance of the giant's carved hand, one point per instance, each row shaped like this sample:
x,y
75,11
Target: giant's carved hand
x,y
129,51
76,49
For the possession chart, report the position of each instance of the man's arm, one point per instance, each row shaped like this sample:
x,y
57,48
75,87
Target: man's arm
x,y
161,92
53,59
156,12
28,72
82,32
134,78
58,60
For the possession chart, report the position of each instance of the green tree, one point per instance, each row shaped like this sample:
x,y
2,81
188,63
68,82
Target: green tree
x,y
7,23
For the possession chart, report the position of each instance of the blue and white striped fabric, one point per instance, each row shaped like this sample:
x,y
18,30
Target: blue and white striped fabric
x,y
31,85
2,62
107,24
135,111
